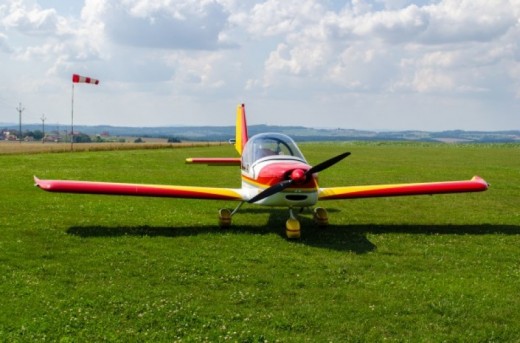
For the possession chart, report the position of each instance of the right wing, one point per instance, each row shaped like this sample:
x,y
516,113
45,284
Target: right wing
x,y
111,188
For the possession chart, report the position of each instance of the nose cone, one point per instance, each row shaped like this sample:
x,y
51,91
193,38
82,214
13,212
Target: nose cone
x,y
298,176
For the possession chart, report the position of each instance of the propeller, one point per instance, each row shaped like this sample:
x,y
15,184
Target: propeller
x,y
297,176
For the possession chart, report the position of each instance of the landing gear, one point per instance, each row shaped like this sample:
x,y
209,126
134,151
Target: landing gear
x,y
224,215
321,217
292,226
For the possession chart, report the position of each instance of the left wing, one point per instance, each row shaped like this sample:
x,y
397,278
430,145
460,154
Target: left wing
x,y
476,184
131,189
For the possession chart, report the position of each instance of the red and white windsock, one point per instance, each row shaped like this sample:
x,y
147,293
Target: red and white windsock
x,y
83,79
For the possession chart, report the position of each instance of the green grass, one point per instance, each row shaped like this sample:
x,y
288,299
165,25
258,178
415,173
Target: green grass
x,y
101,268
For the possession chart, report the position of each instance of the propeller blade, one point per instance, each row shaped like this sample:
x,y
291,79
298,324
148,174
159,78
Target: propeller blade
x,y
280,186
326,164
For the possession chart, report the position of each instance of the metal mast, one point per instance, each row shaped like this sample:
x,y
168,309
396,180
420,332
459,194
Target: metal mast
x,y
20,109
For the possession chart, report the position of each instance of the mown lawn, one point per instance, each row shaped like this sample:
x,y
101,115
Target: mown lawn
x,y
101,268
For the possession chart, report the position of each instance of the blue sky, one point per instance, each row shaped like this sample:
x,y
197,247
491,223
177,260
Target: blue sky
x,y
381,64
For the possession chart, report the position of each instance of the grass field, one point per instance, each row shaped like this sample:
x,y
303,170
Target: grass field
x,y
100,268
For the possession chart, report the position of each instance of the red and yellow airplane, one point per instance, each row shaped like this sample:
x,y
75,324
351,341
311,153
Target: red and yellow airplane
x,y
274,173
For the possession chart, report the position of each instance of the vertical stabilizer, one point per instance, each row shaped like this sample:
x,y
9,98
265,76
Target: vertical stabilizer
x,y
241,129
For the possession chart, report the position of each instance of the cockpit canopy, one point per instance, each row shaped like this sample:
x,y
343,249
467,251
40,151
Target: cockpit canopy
x,y
274,145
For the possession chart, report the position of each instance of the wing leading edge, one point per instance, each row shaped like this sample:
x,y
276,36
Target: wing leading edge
x,y
476,184
110,188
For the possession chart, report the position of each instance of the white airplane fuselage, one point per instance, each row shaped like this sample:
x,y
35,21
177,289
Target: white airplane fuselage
x,y
272,158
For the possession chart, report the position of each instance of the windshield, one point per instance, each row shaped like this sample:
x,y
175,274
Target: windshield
x,y
269,144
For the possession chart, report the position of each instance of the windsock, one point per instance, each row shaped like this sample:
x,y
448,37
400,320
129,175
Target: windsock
x,y
78,79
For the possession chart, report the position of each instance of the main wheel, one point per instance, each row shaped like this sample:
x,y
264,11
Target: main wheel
x,y
224,217
320,216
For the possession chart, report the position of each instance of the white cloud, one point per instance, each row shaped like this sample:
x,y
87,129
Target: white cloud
x,y
33,20
274,17
469,20
355,43
165,24
4,44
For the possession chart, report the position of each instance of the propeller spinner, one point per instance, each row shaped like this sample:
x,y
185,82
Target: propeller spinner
x,y
297,176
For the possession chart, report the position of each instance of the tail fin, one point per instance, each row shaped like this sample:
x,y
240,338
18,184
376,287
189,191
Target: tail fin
x,y
241,129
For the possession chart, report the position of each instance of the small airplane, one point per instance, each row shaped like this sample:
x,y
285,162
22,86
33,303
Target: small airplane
x,y
274,173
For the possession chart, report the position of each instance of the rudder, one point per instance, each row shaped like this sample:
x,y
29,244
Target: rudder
x,y
241,129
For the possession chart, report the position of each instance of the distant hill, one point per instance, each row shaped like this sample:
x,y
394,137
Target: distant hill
x,y
299,133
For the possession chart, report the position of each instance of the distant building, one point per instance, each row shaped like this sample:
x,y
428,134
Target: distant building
x,y
51,138
6,135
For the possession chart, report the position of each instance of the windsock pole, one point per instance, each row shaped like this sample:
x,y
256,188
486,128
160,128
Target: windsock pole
x,y
77,79
72,120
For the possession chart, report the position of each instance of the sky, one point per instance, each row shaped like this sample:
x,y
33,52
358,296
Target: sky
x,y
373,65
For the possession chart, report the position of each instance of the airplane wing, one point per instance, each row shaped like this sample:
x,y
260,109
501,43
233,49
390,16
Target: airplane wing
x,y
476,184
110,188
215,161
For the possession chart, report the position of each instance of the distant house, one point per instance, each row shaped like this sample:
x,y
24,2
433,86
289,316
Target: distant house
x,y
51,138
8,136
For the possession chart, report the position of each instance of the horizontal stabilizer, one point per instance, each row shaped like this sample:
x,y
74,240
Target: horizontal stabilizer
x,y
215,161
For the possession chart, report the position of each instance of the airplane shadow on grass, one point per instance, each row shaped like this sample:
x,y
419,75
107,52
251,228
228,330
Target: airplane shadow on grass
x,y
344,237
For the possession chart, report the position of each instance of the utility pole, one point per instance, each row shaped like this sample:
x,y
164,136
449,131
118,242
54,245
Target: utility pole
x,y
43,127
20,109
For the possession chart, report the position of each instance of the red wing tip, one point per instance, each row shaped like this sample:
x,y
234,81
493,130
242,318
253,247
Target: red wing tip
x,y
478,179
42,184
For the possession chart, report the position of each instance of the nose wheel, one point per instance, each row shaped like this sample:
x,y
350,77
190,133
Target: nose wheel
x,y
292,226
